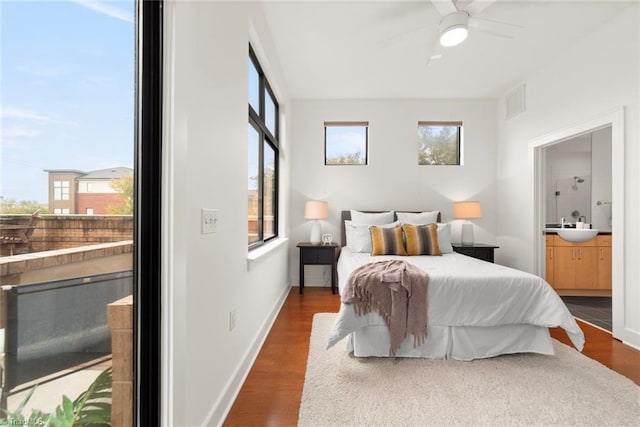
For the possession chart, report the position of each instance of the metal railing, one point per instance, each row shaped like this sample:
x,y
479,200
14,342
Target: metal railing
x,y
54,326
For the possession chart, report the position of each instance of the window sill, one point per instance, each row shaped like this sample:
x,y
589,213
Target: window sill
x,y
264,250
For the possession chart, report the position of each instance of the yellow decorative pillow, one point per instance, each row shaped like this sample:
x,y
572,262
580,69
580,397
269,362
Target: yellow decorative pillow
x,y
386,241
421,239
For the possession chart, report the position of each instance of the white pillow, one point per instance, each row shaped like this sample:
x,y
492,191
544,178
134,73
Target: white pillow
x,y
421,218
358,236
444,238
382,218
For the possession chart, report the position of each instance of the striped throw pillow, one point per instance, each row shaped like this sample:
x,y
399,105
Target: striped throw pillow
x,y
421,239
386,241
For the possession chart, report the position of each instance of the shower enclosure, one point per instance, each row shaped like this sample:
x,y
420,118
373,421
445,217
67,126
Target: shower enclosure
x,y
570,199
568,180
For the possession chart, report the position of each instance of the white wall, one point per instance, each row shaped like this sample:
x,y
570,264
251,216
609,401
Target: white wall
x,y
595,76
392,179
207,276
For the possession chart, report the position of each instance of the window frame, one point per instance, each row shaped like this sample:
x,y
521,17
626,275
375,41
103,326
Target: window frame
x,y
61,190
364,124
457,124
148,214
258,120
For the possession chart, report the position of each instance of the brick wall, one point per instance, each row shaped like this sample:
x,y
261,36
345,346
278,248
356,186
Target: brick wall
x,y
69,231
98,201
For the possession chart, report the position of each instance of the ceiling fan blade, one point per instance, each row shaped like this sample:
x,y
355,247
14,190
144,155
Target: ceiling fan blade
x,y
444,7
477,6
500,29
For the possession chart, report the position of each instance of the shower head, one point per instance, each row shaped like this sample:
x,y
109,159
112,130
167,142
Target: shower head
x,y
578,179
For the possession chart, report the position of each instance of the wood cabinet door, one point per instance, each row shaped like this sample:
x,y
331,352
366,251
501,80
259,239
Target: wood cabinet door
x,y
604,268
564,264
586,267
549,266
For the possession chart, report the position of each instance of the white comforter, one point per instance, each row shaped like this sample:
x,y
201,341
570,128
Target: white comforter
x,y
463,291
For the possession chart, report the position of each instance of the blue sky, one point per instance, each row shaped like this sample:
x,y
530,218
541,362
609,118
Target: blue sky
x,y
346,140
66,90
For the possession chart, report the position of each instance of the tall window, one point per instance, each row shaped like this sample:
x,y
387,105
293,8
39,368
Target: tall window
x,y
439,143
70,74
263,157
345,143
60,190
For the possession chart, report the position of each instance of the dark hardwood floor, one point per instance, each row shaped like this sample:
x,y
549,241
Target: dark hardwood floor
x,y
271,393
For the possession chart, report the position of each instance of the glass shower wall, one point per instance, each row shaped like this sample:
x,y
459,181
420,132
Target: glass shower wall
x,y
568,180
573,198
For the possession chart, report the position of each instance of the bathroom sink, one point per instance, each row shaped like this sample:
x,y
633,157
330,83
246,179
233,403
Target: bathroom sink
x,y
575,235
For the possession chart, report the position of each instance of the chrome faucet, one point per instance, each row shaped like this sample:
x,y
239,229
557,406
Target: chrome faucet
x,y
565,221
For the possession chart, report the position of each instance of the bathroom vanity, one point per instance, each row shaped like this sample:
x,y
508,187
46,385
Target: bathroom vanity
x,y
579,268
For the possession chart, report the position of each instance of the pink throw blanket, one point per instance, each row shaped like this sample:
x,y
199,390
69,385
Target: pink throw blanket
x,y
397,291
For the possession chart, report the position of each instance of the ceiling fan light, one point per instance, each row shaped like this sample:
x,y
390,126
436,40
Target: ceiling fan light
x,y
454,35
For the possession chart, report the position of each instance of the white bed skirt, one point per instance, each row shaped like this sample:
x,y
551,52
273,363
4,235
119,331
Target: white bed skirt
x,y
454,342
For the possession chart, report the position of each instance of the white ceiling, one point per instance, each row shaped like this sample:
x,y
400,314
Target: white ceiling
x,y
380,49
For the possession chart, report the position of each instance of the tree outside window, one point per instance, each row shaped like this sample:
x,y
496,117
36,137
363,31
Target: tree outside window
x,y
439,143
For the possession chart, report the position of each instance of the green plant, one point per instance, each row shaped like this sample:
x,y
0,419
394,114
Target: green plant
x,y
91,408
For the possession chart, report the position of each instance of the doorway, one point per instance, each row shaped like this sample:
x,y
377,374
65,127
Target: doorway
x,y
614,120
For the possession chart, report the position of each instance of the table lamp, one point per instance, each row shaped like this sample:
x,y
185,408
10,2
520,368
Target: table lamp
x,y
467,211
315,210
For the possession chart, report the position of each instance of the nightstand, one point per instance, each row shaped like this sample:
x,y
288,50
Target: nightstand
x,y
477,250
319,254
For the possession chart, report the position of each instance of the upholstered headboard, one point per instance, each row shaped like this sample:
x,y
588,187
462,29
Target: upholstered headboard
x,y
346,215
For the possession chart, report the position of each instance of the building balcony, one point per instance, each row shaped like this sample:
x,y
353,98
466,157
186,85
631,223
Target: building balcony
x,y
53,323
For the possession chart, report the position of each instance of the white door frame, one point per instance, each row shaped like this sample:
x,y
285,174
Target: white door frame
x,y
615,119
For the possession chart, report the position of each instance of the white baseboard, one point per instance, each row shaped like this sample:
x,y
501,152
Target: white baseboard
x,y
224,403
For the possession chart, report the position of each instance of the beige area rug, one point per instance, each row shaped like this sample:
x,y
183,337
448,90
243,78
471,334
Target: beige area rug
x,y
526,389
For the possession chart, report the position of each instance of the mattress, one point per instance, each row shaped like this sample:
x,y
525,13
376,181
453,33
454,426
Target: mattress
x,y
475,309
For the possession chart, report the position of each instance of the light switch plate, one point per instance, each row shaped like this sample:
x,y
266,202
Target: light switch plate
x,y
209,221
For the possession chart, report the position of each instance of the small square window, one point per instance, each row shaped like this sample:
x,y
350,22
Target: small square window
x,y
439,143
346,143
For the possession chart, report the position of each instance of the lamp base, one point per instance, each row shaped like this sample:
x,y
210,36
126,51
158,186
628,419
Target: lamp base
x,y
315,232
466,237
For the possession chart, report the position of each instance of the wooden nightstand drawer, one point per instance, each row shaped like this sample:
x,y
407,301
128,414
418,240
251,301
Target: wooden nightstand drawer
x,y
326,256
318,255
309,255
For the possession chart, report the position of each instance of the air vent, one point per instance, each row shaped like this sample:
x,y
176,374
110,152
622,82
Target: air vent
x,y
516,101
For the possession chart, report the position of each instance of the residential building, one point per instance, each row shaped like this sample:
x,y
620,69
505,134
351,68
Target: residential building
x,y
87,193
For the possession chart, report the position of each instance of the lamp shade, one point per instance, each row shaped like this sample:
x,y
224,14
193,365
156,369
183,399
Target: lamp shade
x,y
316,209
467,210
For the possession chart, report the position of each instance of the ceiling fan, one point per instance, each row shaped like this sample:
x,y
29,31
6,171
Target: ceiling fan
x,y
455,24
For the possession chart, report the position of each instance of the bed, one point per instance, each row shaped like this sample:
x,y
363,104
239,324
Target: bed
x,y
476,309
